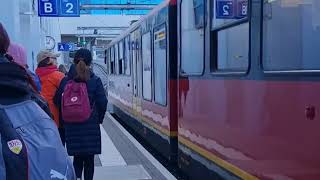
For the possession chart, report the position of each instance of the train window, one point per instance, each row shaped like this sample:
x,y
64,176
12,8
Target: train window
x,y
112,60
106,57
191,41
230,36
160,65
108,60
146,61
127,44
233,48
198,7
291,35
116,58
121,57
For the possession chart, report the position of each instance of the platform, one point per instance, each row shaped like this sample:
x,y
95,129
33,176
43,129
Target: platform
x,y
123,158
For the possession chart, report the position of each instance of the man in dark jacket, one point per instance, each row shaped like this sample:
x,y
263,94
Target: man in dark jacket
x,y
84,139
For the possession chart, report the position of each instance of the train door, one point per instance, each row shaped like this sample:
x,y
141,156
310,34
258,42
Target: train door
x,y
135,67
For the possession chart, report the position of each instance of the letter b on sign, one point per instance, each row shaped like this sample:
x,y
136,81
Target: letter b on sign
x,y
48,7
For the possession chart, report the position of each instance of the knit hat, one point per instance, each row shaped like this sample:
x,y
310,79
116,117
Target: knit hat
x,y
46,54
83,54
18,53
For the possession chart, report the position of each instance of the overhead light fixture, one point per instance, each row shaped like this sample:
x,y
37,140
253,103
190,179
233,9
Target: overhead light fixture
x,y
28,13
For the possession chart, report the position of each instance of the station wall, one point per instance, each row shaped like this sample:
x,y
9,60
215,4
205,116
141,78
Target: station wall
x,y
20,18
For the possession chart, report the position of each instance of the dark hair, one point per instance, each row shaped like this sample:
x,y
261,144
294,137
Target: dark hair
x,y
83,54
4,40
83,71
62,68
83,60
45,63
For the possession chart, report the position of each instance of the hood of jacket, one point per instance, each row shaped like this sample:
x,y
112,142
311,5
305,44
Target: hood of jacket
x,y
13,78
43,71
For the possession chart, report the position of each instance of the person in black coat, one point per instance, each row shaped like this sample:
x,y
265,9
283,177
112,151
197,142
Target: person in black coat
x,y
83,140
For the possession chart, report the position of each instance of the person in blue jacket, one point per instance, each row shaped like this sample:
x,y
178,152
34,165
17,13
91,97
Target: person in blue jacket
x,y
83,140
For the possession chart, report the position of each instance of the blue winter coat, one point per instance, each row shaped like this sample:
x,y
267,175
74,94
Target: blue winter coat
x,y
85,138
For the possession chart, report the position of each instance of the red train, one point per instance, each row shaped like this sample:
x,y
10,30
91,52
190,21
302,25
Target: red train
x,y
225,88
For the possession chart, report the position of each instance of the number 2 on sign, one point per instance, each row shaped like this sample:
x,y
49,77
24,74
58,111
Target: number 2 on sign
x,y
70,7
226,9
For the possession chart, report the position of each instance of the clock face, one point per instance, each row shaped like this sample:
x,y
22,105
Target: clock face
x,y
50,43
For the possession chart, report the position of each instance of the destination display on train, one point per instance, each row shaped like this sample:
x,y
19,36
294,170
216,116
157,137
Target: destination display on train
x,y
231,9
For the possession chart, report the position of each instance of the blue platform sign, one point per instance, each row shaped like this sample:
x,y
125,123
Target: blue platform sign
x,y
70,8
231,9
48,8
66,46
242,9
225,9
59,8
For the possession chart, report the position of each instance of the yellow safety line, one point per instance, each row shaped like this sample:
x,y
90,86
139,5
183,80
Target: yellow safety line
x,y
224,164
149,122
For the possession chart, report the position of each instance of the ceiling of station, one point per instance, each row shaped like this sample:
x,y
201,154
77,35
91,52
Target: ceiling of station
x,y
117,2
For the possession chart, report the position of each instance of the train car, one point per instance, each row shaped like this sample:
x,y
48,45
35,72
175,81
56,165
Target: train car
x,y
238,88
142,84
248,86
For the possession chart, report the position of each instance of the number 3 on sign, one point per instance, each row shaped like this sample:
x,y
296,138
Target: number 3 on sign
x,y
69,7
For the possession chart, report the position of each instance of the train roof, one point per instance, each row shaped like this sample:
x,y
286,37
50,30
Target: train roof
x,y
139,22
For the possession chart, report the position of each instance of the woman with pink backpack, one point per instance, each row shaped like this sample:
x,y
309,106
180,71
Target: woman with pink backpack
x,y
83,103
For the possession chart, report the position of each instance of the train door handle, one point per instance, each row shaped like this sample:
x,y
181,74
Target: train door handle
x,y
310,112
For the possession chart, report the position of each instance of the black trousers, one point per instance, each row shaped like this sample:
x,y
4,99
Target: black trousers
x,y
84,163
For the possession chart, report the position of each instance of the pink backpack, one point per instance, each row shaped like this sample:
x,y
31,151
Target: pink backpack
x,y
75,103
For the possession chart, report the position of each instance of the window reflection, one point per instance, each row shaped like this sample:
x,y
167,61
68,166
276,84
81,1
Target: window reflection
x,y
291,37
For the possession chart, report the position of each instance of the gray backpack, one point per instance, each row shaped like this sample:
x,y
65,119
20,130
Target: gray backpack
x,y
30,147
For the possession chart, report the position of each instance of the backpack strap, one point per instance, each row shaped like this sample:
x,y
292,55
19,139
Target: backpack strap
x,y
2,163
40,101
